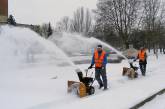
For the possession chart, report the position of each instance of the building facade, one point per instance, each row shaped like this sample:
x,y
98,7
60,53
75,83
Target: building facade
x,y
3,10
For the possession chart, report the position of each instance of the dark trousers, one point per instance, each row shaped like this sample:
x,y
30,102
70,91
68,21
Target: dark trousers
x,y
143,68
101,73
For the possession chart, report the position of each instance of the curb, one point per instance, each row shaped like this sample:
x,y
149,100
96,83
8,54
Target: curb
x,y
148,99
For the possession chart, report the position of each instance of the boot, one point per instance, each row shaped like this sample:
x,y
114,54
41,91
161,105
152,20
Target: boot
x,y
105,88
143,74
101,85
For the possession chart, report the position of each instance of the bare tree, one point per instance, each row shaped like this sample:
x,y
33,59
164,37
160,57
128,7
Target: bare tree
x,y
87,22
77,21
122,15
44,29
64,24
153,20
82,21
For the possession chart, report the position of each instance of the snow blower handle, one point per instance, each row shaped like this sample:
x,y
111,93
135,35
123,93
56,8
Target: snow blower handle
x,y
88,70
91,74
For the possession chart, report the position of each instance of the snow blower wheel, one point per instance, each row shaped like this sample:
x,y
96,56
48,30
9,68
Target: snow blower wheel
x,y
91,90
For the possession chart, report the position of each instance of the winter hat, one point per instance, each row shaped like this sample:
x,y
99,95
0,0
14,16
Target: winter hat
x,y
99,46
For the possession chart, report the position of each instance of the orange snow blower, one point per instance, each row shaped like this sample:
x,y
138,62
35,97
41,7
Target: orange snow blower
x,y
84,86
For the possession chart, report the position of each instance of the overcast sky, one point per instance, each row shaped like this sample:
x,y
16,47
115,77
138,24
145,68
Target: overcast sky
x,y
40,11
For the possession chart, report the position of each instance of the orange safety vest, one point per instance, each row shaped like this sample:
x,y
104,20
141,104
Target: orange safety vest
x,y
99,59
141,55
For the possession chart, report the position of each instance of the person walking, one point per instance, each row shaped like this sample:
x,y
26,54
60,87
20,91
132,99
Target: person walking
x,y
100,60
142,56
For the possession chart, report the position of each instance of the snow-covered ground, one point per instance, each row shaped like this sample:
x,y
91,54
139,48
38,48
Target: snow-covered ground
x,y
42,83
35,88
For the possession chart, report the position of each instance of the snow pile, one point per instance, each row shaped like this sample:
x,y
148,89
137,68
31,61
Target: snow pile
x,y
20,46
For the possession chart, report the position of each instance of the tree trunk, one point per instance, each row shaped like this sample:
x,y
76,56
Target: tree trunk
x,y
164,50
154,47
149,47
126,45
160,49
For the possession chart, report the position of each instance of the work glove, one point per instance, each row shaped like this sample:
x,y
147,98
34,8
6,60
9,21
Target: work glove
x,y
90,67
134,60
103,67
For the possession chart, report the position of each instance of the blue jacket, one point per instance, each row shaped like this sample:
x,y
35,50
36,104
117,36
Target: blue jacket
x,y
104,61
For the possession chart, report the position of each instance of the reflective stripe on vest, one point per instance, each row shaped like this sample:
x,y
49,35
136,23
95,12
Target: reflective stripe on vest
x,y
141,55
99,59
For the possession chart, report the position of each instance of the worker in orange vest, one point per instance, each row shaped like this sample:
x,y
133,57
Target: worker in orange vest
x,y
142,56
100,61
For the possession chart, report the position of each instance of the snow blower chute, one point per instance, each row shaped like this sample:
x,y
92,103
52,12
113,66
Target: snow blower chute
x,y
84,86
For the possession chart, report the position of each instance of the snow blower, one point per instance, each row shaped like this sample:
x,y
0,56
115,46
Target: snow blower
x,y
130,72
84,86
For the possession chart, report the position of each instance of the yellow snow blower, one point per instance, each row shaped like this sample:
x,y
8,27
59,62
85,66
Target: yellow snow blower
x,y
84,86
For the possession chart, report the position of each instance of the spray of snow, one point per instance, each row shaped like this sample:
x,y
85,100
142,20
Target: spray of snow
x,y
21,46
73,44
76,44
109,46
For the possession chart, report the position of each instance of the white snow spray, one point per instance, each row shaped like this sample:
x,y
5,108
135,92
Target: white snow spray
x,y
109,46
74,44
21,46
